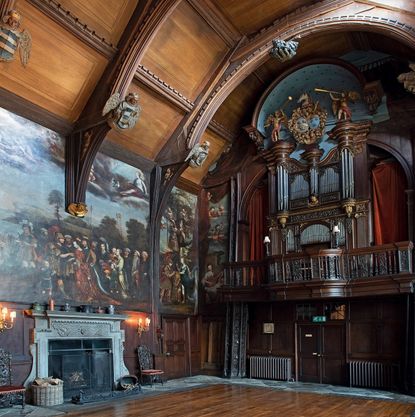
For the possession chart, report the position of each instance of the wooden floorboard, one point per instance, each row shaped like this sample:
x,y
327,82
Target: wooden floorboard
x,y
235,400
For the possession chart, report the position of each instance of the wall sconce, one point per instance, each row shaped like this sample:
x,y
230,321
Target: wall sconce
x,y
267,241
143,325
7,319
336,233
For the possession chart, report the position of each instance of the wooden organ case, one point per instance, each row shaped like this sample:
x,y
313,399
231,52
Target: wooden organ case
x,y
307,199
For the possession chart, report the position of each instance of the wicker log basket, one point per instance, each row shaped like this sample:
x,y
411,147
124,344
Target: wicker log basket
x,y
47,391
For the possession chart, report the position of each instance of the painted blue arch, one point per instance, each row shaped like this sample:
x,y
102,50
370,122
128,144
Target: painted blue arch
x,y
304,80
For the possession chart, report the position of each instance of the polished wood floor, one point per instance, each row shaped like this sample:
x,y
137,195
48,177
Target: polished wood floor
x,y
234,400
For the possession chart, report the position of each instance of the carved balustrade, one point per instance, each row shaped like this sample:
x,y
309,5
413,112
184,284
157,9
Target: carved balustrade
x,y
329,264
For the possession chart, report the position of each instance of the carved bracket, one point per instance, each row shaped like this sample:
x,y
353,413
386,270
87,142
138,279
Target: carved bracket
x,y
81,149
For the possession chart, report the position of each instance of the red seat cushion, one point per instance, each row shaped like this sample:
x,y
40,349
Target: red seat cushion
x,y
11,388
152,371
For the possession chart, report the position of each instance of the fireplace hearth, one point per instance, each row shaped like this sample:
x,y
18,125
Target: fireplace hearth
x,y
82,364
85,350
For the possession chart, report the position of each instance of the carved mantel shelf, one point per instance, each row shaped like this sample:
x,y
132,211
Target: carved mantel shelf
x,y
59,325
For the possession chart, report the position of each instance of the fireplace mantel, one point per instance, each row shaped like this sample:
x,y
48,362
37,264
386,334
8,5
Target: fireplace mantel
x,y
58,325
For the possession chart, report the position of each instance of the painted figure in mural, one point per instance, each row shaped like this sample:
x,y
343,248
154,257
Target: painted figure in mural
x,y
122,114
12,38
167,277
211,283
138,186
186,280
27,246
135,271
128,264
198,154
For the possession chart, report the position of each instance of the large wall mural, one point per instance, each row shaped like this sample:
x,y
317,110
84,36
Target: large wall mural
x,y
178,254
216,241
101,259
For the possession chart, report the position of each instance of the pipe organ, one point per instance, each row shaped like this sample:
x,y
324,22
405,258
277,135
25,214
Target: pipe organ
x,y
311,195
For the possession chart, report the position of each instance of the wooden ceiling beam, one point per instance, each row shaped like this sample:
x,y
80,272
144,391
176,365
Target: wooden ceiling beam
x,y
214,17
70,22
222,131
163,89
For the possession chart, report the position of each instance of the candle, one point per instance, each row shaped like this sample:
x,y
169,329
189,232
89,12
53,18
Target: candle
x,y
140,322
13,315
148,322
4,312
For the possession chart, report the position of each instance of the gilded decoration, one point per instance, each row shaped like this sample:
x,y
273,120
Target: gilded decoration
x,y
307,121
77,209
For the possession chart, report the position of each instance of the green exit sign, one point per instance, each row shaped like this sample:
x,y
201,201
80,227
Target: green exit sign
x,y
319,319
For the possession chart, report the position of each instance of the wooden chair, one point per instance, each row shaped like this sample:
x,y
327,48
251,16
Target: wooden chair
x,y
146,365
9,394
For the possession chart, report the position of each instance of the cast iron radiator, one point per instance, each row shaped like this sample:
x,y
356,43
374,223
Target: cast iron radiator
x,y
372,374
270,367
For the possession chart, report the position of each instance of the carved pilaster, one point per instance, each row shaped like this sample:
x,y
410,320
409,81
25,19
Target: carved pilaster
x,y
81,149
235,340
351,135
410,206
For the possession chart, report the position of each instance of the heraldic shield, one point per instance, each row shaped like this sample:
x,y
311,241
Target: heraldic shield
x,y
8,44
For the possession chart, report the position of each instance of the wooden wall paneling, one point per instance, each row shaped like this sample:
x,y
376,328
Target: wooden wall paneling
x,y
212,345
185,51
238,104
157,121
107,18
194,345
248,19
16,341
217,146
62,71
259,343
176,346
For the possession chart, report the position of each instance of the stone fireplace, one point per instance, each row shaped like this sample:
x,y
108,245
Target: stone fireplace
x,y
83,349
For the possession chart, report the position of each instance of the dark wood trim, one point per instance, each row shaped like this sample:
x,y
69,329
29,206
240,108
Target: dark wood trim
x,y
339,15
115,151
151,20
71,23
188,185
33,112
217,21
159,86
222,131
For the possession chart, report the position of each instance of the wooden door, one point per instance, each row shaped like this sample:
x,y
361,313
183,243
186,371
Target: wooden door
x,y
176,347
322,353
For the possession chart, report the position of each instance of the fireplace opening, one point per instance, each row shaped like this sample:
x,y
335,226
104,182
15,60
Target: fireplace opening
x,y
82,364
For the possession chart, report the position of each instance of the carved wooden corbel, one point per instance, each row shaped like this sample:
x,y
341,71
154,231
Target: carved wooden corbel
x,y
81,149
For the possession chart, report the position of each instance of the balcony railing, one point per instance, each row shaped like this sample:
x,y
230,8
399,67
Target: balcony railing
x,y
329,264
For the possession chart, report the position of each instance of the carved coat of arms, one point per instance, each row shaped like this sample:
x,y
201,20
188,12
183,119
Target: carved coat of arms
x,y
12,38
122,114
308,121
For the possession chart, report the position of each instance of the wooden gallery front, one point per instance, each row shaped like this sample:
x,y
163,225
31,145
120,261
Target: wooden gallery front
x,y
230,186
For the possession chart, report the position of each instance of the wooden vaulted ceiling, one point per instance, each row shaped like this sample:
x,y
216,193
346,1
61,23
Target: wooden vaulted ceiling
x,y
75,42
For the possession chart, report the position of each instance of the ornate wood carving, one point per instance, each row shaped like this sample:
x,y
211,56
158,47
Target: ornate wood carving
x,y
65,18
81,149
150,79
303,22
235,343
217,21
